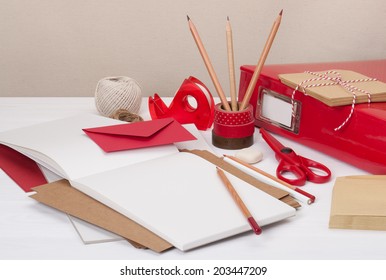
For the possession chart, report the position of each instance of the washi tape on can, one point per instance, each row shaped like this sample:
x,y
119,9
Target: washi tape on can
x,y
233,129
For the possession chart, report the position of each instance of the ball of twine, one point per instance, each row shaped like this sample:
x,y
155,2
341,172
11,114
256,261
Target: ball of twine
x,y
114,93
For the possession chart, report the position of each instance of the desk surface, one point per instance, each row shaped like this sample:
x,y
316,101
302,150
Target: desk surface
x,y
29,230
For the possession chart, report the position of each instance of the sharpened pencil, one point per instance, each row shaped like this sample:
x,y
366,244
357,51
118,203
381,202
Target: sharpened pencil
x,y
260,64
252,222
231,66
208,65
310,197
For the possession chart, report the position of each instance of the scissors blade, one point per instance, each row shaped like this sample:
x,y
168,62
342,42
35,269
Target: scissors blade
x,y
271,141
281,151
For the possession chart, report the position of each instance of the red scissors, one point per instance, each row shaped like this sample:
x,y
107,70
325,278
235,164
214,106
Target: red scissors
x,y
301,167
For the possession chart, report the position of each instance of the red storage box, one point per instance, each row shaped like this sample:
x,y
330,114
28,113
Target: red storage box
x,y
361,142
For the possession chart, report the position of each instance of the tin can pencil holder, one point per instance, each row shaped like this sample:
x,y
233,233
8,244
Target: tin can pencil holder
x,y
233,130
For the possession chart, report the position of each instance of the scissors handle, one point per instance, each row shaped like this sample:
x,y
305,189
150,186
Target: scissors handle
x,y
285,167
303,172
322,175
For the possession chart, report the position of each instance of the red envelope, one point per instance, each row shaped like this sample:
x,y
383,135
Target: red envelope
x,y
139,134
21,169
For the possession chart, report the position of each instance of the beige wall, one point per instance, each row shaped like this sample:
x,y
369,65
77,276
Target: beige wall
x,y
63,47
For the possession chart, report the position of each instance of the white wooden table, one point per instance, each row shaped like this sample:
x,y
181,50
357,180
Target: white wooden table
x,y
29,230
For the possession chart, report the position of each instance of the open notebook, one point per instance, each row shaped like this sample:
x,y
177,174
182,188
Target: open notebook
x,y
62,147
178,196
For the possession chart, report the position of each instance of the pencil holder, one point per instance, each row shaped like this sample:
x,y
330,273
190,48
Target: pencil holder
x,y
233,130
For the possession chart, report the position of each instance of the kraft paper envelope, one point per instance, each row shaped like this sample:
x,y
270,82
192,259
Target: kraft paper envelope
x,y
359,202
337,95
21,169
139,134
62,196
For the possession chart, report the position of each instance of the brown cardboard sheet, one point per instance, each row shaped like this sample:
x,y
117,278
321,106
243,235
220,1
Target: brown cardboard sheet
x,y
273,191
60,195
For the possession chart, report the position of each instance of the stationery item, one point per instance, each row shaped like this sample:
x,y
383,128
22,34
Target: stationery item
x,y
308,121
91,234
252,222
208,65
266,187
233,129
126,116
62,147
168,207
62,196
198,144
250,155
21,169
231,66
201,113
337,87
260,64
297,193
135,184
138,135
359,202
289,162
27,175
114,93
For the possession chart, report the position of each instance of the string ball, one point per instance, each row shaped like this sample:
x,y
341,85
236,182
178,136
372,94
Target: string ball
x,y
114,93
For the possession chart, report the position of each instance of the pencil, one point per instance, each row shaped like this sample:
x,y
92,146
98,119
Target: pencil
x,y
208,65
231,66
239,201
310,197
260,64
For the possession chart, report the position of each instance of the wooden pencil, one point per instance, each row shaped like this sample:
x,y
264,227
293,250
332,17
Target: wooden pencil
x,y
260,64
208,65
306,194
239,202
231,66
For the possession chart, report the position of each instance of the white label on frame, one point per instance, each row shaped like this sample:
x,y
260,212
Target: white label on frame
x,y
276,109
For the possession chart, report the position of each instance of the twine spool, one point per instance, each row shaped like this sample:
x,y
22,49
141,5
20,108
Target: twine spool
x,y
114,93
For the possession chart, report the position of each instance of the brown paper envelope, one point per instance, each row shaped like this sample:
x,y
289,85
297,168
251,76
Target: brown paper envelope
x,y
366,178
60,195
336,95
359,202
273,191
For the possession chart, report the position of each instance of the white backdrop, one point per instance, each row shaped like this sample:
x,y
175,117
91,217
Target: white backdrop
x,y
63,47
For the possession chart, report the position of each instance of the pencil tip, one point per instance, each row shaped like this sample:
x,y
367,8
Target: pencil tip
x,y
188,17
227,18
281,12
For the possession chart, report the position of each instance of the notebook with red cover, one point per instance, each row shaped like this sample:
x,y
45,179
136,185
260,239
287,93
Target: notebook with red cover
x,y
21,169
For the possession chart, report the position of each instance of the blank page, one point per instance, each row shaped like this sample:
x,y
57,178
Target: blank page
x,y
182,199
